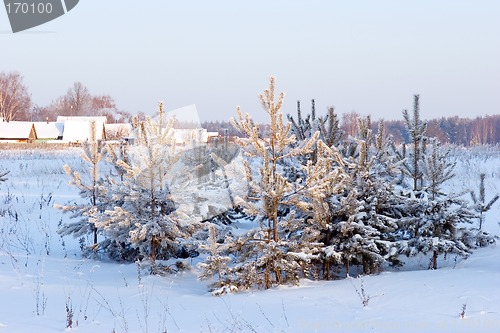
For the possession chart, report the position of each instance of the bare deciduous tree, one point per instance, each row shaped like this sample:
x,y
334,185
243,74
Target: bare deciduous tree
x,y
78,101
15,102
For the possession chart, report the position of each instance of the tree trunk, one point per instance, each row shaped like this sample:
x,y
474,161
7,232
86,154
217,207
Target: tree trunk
x,y
275,227
434,259
153,254
326,271
95,235
267,276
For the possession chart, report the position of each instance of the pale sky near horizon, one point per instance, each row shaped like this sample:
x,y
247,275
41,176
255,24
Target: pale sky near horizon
x,y
364,56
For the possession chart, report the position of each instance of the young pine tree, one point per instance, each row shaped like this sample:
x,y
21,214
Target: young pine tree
x,y
365,216
439,218
273,254
145,218
216,263
271,189
436,167
416,129
92,188
328,126
480,205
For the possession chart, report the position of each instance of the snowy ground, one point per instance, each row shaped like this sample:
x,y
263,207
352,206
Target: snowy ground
x,y
43,278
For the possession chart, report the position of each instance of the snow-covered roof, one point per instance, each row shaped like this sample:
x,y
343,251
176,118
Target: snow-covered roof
x,y
45,130
79,130
19,130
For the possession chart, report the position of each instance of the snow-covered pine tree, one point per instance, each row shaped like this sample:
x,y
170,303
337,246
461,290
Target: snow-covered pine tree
x,y
302,127
308,236
145,221
271,190
388,159
360,221
216,263
437,230
274,253
439,217
480,205
328,126
416,130
478,236
363,216
436,167
92,188
332,133
117,153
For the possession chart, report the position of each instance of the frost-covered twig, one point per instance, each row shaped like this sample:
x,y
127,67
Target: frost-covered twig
x,y
69,312
146,307
462,313
163,316
363,296
40,298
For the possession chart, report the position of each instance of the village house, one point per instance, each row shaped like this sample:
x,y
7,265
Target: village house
x,y
77,129
17,131
49,131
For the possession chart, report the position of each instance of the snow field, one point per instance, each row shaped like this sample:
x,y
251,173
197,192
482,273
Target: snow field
x,y
43,278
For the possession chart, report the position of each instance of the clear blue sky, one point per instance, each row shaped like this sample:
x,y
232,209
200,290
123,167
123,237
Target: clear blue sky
x,y
364,56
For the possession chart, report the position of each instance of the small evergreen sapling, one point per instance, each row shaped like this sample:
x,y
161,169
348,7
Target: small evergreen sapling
x,y
327,126
92,188
144,220
436,226
416,129
436,167
364,216
302,127
275,253
480,205
272,188
308,232
216,263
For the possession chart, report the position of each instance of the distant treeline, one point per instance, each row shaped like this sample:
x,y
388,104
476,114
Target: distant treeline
x,y
455,130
